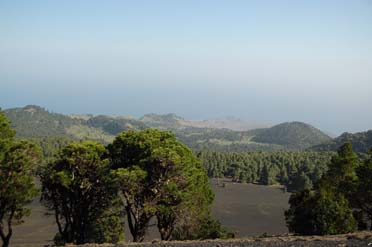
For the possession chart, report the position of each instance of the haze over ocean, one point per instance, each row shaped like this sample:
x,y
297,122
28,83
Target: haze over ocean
x,y
268,61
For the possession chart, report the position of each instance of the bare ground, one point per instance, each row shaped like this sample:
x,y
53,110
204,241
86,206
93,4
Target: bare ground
x,y
352,240
246,209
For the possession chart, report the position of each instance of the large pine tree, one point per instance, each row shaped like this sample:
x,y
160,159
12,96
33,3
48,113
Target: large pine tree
x,y
18,164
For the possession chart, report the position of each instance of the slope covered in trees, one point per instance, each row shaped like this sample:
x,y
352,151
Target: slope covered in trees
x,y
361,142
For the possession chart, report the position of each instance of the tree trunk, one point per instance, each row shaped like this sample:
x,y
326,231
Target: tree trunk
x,y
166,225
165,233
6,242
139,232
130,223
139,236
137,226
5,238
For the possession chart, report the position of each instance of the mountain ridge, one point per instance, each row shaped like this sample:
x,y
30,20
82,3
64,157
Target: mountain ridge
x,y
34,121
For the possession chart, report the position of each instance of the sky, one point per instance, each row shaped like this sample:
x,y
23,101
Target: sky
x,y
264,61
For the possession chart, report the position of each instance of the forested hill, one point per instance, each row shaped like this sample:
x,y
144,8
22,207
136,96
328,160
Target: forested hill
x,y
362,142
294,135
36,122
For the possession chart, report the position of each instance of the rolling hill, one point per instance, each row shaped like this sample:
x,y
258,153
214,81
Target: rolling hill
x,y
293,135
36,122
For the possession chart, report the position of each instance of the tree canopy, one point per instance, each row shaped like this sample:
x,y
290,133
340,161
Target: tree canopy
x,y
328,209
80,189
159,177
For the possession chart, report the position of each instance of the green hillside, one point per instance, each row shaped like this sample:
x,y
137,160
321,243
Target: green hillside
x,y
166,121
34,121
293,135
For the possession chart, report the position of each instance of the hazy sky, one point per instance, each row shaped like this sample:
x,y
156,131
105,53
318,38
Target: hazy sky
x,y
268,61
